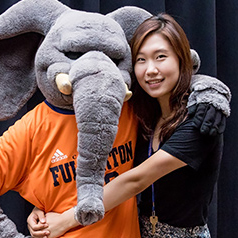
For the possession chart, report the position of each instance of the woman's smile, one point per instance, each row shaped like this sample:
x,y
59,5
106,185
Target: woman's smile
x,y
155,81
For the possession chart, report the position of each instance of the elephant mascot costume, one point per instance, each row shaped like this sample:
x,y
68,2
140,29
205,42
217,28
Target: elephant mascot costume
x,y
81,62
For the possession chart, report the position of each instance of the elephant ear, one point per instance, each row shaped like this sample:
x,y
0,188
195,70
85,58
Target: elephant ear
x,y
129,18
22,28
17,73
196,60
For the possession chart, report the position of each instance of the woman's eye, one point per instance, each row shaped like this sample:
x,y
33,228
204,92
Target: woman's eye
x,y
140,59
73,55
161,56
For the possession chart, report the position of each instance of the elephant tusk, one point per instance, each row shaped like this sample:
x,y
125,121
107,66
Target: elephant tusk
x,y
128,93
63,83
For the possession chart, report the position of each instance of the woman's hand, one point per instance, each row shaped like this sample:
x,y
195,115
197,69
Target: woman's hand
x,y
52,224
37,224
60,223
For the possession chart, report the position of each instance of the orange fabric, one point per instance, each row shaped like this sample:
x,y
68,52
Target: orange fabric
x,y
38,159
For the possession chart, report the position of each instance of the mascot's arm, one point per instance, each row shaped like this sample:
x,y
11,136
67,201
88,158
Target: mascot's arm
x,y
14,156
8,228
12,143
210,102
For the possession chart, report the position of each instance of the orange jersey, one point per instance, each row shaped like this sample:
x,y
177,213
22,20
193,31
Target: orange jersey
x,y
39,157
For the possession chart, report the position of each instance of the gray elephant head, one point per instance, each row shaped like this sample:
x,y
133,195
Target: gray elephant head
x,y
79,61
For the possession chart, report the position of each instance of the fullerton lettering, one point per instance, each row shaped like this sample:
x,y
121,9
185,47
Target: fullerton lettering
x,y
65,170
122,153
119,155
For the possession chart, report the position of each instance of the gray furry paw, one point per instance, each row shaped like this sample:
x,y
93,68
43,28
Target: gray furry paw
x,y
89,211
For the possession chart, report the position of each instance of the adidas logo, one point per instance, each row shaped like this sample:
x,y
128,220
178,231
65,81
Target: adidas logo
x,y
58,155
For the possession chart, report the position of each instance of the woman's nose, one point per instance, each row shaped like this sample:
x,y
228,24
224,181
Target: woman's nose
x,y
151,69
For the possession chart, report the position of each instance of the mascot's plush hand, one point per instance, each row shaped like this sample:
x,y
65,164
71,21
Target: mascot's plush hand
x,y
209,101
208,119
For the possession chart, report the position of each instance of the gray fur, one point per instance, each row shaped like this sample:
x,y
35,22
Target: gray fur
x,y
8,228
206,89
44,30
131,19
196,61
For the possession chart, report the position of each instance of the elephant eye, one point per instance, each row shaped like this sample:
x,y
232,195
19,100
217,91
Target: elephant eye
x,y
73,55
116,61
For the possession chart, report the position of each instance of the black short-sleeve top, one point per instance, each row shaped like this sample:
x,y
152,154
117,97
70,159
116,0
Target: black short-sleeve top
x,y
182,197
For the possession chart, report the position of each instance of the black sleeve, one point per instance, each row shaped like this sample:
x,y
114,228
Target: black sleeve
x,y
189,145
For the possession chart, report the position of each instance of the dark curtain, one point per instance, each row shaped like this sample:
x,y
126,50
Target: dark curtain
x,y
212,29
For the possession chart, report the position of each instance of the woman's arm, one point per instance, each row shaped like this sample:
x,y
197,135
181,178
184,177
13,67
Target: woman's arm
x,y
123,187
139,178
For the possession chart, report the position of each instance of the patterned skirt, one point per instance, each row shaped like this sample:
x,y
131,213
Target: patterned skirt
x,y
163,230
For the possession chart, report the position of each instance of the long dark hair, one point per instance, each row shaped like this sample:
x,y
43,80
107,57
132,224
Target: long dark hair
x,y
147,108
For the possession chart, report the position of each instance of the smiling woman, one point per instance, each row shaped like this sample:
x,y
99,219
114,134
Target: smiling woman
x,y
163,69
182,168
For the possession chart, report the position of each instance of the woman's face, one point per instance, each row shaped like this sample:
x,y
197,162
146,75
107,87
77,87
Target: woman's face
x,y
157,67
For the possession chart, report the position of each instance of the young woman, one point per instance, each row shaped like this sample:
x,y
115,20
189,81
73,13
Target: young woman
x,y
176,182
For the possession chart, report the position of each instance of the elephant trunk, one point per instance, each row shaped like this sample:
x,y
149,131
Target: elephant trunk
x,y
98,94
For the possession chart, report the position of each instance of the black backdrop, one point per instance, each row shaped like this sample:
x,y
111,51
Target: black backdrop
x,y
212,29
